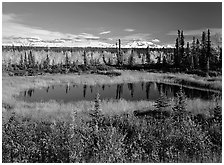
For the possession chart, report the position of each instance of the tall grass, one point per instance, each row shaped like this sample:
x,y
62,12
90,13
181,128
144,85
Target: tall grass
x,y
96,137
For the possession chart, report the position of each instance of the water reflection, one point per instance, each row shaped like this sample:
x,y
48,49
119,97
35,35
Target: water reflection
x,y
119,91
84,90
130,91
147,89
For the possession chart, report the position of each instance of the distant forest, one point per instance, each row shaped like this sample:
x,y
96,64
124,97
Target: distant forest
x,y
197,57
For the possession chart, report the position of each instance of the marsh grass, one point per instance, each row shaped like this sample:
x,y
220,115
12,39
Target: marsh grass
x,y
58,132
94,136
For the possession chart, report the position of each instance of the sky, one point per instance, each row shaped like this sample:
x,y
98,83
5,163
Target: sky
x,y
106,22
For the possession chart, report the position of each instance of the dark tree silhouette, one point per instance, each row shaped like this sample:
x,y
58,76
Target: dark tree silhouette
x,y
21,61
202,59
147,55
208,51
176,54
181,47
131,58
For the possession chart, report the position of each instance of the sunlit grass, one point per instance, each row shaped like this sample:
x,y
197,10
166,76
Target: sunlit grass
x,y
50,128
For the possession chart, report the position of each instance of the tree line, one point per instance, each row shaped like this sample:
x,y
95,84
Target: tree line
x,y
197,55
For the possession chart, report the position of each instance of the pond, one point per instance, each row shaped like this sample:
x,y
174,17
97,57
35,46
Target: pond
x,y
129,91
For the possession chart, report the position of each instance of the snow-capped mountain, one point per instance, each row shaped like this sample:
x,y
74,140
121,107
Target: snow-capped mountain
x,y
141,44
91,43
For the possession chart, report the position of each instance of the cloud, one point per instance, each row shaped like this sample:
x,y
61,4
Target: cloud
x,y
105,32
11,28
14,31
198,32
134,37
129,30
156,40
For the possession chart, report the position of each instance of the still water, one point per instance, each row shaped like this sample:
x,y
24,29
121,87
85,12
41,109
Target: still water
x,y
128,91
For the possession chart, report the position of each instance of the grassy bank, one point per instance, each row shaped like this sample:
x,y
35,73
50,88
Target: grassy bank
x,y
67,134
58,132
12,86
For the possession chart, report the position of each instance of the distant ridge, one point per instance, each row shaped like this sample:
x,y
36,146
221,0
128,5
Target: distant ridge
x,y
64,43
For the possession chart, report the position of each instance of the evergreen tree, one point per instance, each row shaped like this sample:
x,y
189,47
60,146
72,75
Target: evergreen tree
x,y
164,60
131,58
25,60
193,54
179,109
208,54
176,54
92,60
178,33
33,60
30,58
96,114
188,59
197,55
202,58
220,58
162,102
67,62
46,63
119,54
143,62
147,55
85,58
181,47
21,61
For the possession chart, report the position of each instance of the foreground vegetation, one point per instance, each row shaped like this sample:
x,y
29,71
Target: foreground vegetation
x,y
179,130
95,136
58,132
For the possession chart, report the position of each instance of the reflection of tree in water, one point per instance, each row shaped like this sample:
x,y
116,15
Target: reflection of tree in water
x,y
163,89
84,90
119,91
91,88
159,88
30,92
25,94
67,88
48,89
147,86
131,88
142,85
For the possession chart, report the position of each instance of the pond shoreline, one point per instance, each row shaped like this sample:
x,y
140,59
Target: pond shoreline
x,y
17,83
12,86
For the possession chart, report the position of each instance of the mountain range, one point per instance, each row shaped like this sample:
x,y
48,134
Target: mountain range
x,y
65,43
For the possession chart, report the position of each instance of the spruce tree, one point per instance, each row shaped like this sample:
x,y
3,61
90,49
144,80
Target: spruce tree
x,y
197,55
29,58
162,102
203,52
176,53
208,53
188,59
21,61
220,58
193,54
85,58
179,109
181,47
67,62
147,55
96,114
131,58
46,62
92,60
25,60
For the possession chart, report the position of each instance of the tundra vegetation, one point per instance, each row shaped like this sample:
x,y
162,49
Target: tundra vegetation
x,y
113,131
